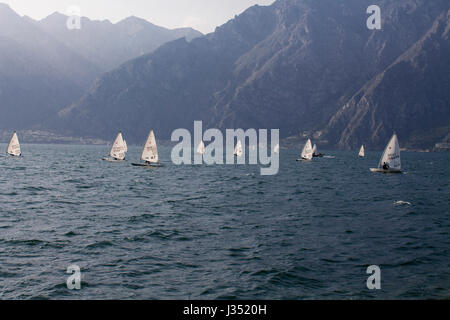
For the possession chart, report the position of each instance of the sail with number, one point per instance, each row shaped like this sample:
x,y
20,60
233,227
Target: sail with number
x,y
201,148
14,146
391,155
150,151
307,152
119,148
361,152
238,149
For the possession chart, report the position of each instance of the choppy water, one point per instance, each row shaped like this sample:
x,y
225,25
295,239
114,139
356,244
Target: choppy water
x,y
208,232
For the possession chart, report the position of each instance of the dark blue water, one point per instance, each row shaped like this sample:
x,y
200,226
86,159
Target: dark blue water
x,y
208,232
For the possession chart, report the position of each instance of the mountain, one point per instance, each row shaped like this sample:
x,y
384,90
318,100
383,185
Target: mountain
x,y
297,65
38,74
108,45
411,96
45,67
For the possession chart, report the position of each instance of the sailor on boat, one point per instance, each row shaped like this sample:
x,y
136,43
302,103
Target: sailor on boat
x,y
315,154
390,160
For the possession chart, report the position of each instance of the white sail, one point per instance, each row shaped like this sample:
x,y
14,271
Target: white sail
x,y
201,148
276,149
125,144
391,155
307,152
238,149
314,149
118,149
14,146
150,151
361,152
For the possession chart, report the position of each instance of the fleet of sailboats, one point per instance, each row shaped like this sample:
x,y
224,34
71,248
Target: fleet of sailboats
x,y
118,150
390,159
149,153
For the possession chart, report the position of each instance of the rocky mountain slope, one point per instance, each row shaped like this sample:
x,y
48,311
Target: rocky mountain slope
x,y
410,97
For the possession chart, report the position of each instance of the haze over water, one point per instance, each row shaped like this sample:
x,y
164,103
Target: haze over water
x,y
208,232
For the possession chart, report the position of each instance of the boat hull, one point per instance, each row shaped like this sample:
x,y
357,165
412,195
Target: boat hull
x,y
380,170
302,159
112,160
151,165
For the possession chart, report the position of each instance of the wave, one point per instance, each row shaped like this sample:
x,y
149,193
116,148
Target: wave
x,y
401,202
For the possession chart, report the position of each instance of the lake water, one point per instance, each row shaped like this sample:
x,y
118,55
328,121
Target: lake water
x,y
222,232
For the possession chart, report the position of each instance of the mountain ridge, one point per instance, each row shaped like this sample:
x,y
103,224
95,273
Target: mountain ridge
x,y
129,38
291,65
42,73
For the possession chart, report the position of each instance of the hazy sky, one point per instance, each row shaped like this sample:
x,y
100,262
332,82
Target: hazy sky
x,y
203,15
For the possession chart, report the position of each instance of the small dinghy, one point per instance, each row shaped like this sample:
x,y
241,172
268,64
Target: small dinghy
x,y
149,153
276,149
390,160
361,153
238,149
118,150
14,146
307,152
201,148
315,154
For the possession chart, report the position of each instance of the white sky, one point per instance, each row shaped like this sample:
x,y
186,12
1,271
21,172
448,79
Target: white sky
x,y
203,15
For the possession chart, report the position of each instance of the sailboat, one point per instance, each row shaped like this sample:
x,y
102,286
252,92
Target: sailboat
x,y
307,152
149,153
276,149
201,148
390,160
238,149
361,152
14,146
118,150
315,154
